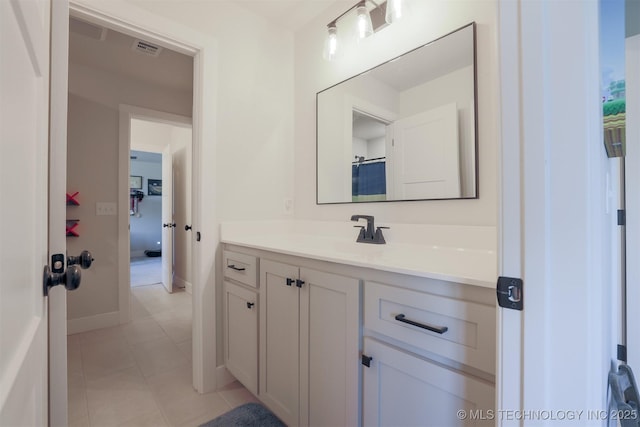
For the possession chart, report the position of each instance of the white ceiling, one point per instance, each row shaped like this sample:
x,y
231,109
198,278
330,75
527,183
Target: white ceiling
x,y
291,14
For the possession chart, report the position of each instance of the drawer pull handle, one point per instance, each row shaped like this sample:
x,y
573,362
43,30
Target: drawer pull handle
x,y
233,267
436,329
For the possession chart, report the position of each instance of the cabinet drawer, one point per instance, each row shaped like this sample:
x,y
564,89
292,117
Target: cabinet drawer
x,y
460,330
240,267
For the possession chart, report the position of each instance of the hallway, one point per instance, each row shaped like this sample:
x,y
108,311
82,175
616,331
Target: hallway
x,y
139,374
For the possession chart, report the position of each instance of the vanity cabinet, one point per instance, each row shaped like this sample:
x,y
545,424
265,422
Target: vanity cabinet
x,y
300,332
309,345
240,314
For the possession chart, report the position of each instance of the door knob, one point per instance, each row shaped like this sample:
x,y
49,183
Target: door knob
x,y
84,260
70,278
187,227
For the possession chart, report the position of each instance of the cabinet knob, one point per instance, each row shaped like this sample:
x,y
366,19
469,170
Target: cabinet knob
x,y
290,281
250,305
299,283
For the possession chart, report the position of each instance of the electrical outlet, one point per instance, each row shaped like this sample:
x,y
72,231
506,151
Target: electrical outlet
x,y
106,208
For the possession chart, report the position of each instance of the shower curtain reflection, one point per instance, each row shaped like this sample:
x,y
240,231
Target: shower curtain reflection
x,y
368,181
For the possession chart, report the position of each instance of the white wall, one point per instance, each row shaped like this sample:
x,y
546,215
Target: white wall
x,y
92,168
427,21
146,228
254,153
92,165
255,104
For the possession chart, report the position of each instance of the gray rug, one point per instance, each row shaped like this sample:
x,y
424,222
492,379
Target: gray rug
x,y
247,415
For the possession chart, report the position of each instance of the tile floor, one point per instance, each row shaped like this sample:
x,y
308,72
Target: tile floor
x,y
139,374
146,271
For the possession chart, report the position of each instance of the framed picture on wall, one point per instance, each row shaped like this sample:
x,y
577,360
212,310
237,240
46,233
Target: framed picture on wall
x,y
154,187
135,182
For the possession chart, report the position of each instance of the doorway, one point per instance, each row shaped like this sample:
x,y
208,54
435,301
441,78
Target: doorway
x,y
160,202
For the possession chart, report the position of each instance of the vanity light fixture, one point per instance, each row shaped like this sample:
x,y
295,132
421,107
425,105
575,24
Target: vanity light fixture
x,y
367,22
396,9
331,43
364,25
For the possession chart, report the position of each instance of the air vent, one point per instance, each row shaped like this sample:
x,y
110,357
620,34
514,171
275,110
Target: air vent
x,y
146,48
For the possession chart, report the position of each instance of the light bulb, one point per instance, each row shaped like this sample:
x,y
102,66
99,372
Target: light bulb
x,y
363,21
396,9
331,43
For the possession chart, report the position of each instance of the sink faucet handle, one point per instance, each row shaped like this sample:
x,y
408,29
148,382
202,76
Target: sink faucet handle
x,y
379,238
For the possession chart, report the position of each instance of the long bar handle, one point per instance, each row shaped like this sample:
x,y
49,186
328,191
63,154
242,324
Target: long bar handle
x,y
436,329
233,267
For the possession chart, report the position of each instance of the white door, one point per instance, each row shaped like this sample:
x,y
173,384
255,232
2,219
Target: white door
x,y
425,155
167,219
24,132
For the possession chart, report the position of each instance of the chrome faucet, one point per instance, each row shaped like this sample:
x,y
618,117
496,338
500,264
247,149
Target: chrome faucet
x,y
368,235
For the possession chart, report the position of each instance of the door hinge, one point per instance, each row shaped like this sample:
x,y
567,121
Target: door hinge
x,y
509,292
622,217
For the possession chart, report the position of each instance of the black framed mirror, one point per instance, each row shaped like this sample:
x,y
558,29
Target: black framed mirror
x,y
404,130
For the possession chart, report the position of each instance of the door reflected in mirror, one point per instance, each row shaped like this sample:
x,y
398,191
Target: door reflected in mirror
x,y
405,130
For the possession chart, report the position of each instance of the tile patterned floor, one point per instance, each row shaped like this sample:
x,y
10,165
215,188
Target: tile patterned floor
x,y
139,374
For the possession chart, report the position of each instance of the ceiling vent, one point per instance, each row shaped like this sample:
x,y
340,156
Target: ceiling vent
x,y
146,48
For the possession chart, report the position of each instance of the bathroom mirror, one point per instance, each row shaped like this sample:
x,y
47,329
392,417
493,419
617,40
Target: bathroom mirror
x,y
404,130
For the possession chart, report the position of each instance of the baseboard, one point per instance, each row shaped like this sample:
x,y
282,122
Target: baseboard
x,y
223,377
89,323
181,283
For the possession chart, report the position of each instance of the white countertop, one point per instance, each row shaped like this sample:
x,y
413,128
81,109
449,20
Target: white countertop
x,y
469,265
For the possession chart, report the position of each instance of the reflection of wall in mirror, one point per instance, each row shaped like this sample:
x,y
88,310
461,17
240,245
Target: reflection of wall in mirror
x,y
455,87
336,153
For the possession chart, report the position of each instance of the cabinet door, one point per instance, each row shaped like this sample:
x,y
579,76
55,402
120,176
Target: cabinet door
x,y
329,349
401,389
241,334
279,342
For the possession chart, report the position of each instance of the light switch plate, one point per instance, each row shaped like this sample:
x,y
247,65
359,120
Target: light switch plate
x,y
106,208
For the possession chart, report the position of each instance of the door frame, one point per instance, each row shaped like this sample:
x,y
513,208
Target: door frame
x,y
555,213
127,113
129,19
